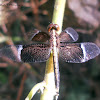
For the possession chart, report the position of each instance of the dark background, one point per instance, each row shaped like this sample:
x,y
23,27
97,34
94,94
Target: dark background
x,y
78,81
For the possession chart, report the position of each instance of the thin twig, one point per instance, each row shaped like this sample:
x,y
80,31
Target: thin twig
x,y
21,87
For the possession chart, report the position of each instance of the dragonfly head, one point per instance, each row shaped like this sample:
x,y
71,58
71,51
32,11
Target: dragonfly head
x,y
53,26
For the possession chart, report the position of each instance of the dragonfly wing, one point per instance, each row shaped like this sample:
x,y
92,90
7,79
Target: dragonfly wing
x,y
35,53
78,52
38,36
26,53
11,52
68,35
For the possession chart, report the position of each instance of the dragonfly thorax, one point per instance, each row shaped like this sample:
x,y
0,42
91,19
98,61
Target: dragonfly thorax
x,y
54,39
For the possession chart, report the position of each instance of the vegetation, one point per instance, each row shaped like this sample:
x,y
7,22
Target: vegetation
x,y
18,17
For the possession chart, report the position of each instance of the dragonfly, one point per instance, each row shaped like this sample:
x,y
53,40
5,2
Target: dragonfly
x,y
62,46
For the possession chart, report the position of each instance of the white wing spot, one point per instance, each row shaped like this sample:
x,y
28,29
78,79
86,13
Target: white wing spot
x,y
71,35
19,52
84,53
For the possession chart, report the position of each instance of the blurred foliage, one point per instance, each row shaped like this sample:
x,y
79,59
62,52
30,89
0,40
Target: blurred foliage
x,y
78,81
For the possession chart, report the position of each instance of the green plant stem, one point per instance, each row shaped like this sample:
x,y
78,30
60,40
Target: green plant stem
x,y
58,13
49,90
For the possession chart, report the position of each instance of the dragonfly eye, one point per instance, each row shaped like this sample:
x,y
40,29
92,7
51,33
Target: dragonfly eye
x,y
53,26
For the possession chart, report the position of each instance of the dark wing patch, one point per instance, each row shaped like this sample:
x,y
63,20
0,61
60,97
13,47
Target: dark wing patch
x,y
38,36
78,52
68,35
35,53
